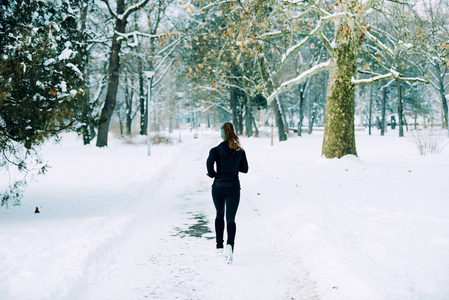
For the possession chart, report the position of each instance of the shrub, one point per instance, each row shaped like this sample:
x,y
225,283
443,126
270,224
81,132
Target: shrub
x,y
429,140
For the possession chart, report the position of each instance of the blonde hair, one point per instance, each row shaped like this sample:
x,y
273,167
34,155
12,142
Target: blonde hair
x,y
231,137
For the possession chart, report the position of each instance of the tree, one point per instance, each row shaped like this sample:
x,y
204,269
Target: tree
x,y
120,16
437,33
40,82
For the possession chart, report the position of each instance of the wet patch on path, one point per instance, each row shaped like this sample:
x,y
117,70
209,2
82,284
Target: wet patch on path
x,y
198,229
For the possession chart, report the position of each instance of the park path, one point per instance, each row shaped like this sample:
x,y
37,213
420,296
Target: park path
x,y
167,250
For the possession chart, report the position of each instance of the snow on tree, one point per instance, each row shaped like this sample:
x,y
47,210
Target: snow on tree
x,y
41,80
436,14
342,28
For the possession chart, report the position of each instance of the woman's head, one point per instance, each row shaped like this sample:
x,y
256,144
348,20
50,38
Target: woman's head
x,y
228,134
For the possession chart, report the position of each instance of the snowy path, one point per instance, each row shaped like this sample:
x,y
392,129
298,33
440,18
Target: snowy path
x,y
117,224
155,259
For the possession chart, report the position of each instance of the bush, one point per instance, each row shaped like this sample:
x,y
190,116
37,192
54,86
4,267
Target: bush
x,y
160,139
429,140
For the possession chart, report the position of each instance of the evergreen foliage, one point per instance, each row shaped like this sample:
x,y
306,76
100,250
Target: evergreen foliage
x,y
41,52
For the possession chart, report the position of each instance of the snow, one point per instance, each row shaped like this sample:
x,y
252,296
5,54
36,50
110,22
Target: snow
x,y
75,68
65,54
113,223
63,85
49,61
300,78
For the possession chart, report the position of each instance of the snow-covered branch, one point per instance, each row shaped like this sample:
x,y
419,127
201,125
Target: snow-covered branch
x,y
109,8
173,44
165,72
134,34
393,74
368,4
379,43
301,43
218,105
300,78
229,85
325,41
316,31
132,9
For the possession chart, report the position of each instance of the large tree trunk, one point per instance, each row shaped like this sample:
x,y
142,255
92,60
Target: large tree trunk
x,y
114,70
339,138
400,110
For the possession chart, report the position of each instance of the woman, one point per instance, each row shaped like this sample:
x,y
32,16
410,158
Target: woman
x,y
230,159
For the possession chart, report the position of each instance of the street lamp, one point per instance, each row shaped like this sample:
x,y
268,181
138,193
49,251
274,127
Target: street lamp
x,y
149,73
180,95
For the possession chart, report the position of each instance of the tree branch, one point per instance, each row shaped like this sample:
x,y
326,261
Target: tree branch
x,y
110,9
132,9
379,43
303,76
393,74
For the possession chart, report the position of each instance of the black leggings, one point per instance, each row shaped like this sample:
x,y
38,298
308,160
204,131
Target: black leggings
x,y
229,198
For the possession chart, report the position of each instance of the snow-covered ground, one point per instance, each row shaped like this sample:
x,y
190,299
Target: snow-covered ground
x,y
117,224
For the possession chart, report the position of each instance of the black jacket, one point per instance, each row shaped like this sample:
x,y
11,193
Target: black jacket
x,y
229,164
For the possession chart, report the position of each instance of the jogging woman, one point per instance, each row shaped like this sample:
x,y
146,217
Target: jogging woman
x,y
230,159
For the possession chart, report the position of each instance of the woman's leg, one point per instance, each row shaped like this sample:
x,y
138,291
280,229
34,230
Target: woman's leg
x,y
219,202
232,204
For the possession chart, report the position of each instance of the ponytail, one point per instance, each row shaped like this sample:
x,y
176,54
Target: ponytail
x,y
228,134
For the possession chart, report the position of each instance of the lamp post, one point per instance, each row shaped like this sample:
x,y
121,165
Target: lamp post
x,y
149,73
180,95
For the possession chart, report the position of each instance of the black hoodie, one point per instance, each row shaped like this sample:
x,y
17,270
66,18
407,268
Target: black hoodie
x,y
229,163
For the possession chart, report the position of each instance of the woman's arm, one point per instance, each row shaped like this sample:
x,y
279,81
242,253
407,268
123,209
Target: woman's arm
x,y
210,163
243,163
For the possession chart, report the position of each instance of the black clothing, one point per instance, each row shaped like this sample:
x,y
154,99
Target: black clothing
x,y
229,198
229,163
226,187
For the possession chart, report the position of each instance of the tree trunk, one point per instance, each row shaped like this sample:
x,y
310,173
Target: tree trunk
x,y
113,80
312,113
301,106
358,102
284,115
370,115
234,108
279,122
339,137
312,108
275,104
129,108
256,130
400,110
384,109
248,119
443,97
86,117
143,115
240,114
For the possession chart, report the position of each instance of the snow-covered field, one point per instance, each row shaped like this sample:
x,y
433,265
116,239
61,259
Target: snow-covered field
x,y
117,224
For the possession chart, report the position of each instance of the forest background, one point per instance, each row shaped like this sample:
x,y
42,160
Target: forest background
x,y
298,65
